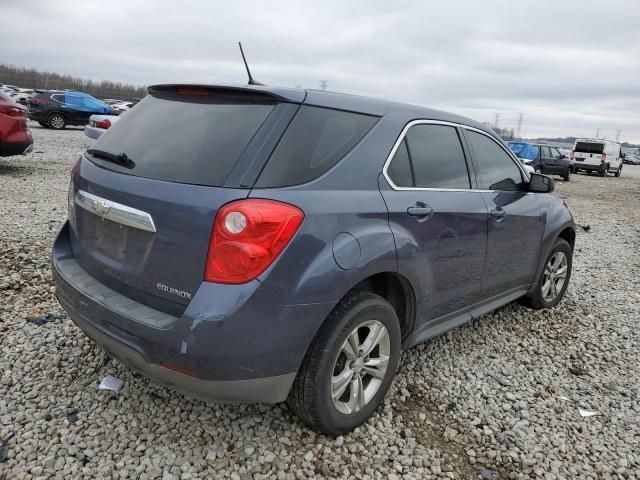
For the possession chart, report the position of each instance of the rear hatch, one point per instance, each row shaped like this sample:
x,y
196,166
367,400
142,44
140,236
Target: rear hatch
x,y
145,195
588,152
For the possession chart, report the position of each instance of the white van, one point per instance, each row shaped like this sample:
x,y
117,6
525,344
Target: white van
x,y
600,156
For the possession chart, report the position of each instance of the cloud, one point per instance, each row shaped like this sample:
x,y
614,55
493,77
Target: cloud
x,y
569,66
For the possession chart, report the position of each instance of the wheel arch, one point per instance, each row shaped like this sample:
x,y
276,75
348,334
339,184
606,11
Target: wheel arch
x,y
397,290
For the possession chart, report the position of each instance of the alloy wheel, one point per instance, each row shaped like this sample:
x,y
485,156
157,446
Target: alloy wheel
x,y
56,121
554,276
360,367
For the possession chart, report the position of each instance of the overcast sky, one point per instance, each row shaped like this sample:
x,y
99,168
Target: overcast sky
x,y
571,66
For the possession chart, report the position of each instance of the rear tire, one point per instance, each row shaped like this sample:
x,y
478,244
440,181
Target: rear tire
x,y
56,121
541,297
567,175
603,173
325,393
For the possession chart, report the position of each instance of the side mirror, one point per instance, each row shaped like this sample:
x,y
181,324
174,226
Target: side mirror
x,y
563,156
540,183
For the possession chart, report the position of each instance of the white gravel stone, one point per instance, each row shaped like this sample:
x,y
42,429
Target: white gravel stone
x,y
445,417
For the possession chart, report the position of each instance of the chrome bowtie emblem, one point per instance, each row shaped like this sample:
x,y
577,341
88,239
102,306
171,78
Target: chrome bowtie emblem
x,y
100,208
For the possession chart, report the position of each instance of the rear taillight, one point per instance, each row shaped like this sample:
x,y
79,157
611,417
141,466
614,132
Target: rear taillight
x,y
604,158
12,111
103,124
248,235
572,154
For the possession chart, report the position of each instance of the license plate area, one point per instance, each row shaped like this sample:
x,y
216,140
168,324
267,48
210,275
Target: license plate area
x,y
111,239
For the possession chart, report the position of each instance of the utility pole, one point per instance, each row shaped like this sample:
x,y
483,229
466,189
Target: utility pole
x,y
496,119
520,121
618,132
323,84
597,133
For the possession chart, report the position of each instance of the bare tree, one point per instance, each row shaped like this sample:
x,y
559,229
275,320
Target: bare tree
x,y
32,78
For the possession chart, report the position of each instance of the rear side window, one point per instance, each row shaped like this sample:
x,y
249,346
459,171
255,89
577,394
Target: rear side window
x,y
316,140
589,147
437,157
433,157
193,139
496,169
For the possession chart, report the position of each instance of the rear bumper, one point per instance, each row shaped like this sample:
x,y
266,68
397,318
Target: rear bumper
x,y
234,342
93,132
599,167
8,149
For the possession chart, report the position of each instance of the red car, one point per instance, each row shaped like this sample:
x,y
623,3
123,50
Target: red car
x,y
15,138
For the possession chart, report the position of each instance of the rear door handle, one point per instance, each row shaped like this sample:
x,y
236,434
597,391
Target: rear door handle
x,y
420,210
498,214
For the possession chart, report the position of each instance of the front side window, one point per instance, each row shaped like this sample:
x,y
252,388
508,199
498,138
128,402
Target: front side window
x,y
555,153
496,169
430,156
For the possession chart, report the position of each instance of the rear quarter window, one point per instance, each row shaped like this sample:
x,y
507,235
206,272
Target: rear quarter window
x,y
317,139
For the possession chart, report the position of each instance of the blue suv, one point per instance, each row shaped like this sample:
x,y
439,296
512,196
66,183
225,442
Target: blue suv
x,y
259,244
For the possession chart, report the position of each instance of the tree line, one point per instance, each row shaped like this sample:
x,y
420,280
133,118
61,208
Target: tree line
x,y
31,78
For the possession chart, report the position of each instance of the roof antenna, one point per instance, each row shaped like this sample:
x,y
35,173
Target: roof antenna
x,y
251,80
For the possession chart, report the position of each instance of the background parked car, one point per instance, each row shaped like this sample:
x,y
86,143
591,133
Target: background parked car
x,y
22,95
631,159
596,155
56,109
98,124
15,138
543,158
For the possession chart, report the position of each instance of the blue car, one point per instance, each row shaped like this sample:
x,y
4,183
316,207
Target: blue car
x,y
56,109
542,158
256,244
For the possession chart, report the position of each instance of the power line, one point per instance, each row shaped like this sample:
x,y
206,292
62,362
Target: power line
x,y
520,121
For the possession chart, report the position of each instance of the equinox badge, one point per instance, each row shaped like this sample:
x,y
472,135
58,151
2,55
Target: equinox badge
x,y
173,291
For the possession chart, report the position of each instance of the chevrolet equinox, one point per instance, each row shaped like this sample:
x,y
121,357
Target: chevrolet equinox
x,y
256,244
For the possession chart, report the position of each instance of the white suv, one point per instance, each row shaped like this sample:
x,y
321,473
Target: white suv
x,y
601,156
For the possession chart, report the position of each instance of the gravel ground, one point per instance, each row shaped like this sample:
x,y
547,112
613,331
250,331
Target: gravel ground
x,y
497,398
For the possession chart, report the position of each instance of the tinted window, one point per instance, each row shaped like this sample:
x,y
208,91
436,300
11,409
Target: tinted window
x,y
399,169
316,140
496,169
437,157
185,138
589,147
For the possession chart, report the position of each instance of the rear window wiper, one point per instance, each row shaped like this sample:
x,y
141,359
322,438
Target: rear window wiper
x,y
120,158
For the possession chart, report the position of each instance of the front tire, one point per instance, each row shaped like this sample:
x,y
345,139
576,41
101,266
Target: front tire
x,y
56,121
555,277
349,366
619,171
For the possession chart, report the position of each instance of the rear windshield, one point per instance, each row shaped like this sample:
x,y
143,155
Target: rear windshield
x,y
589,147
193,139
316,140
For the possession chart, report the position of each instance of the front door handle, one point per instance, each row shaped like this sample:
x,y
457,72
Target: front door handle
x,y
420,210
498,214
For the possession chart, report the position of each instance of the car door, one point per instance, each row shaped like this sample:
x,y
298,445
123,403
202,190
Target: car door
x,y
439,222
546,162
516,222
